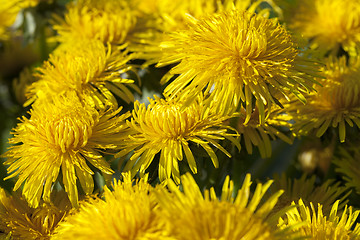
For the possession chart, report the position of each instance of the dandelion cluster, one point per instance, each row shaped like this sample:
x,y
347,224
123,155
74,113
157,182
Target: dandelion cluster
x,y
149,119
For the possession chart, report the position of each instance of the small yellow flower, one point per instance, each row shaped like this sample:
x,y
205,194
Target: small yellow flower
x,y
24,222
335,104
329,24
109,21
168,127
236,56
62,133
318,226
88,68
325,194
205,216
128,212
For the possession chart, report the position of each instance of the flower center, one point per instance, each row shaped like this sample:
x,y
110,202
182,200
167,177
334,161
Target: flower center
x,y
69,132
169,121
343,93
253,43
46,218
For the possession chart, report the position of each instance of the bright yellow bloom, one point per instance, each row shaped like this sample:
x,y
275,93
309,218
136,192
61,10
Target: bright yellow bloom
x,y
88,68
329,24
323,227
129,212
336,104
109,21
168,127
24,222
325,194
348,164
236,56
200,216
61,134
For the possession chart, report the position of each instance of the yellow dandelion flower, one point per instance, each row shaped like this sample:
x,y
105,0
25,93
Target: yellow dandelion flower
x,y
166,126
88,68
329,24
336,104
236,55
61,134
205,216
347,163
325,194
109,21
129,212
260,135
318,226
23,222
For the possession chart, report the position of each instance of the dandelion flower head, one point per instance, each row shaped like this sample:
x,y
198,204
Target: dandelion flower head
x,y
24,222
62,133
226,217
90,69
166,126
335,104
330,24
236,55
323,227
109,21
128,212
